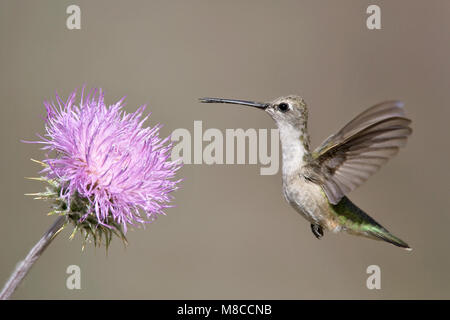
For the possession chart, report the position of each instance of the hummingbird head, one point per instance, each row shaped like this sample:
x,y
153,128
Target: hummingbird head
x,y
286,111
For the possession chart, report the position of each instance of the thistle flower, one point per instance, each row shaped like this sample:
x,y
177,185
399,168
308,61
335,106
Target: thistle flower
x,y
104,170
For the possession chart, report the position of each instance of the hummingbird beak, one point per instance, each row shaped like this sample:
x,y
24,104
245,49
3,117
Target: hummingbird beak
x,y
233,101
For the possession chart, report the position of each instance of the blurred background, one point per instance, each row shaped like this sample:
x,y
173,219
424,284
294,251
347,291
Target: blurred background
x,y
232,235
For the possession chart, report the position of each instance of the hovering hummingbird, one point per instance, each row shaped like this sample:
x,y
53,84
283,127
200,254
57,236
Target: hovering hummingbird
x,y
317,183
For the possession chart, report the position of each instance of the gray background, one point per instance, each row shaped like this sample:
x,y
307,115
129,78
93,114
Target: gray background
x,y
232,235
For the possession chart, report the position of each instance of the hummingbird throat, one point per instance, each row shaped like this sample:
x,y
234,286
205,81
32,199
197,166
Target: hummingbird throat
x,y
295,146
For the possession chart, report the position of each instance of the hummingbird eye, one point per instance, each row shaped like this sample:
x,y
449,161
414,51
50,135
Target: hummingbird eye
x,y
283,107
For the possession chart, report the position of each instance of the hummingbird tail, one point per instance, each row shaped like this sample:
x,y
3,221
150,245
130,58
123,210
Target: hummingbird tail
x,y
357,222
383,234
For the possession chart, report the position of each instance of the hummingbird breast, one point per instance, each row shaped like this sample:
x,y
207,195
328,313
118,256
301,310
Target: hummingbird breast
x,y
308,199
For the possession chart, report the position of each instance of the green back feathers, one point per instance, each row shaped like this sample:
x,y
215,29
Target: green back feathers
x,y
357,221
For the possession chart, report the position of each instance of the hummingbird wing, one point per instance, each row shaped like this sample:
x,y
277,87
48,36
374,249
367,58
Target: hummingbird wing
x,y
346,159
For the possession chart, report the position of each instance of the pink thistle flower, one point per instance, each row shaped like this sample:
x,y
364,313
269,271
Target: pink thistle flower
x,y
106,169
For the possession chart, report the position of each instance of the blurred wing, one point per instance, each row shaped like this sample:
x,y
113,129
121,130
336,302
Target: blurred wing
x,y
348,158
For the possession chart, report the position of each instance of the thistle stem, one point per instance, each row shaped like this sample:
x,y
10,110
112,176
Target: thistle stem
x,y
24,266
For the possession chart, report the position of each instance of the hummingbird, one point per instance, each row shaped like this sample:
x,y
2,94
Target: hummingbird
x,y
316,183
